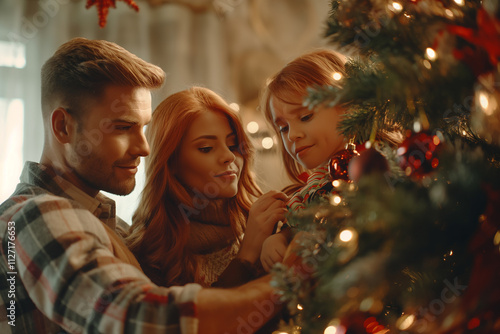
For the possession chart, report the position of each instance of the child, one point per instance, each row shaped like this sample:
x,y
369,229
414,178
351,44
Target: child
x,y
308,138
194,222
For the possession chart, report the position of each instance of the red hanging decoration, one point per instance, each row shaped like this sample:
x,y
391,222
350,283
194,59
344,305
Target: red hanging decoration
x,y
369,161
103,8
486,36
418,154
338,165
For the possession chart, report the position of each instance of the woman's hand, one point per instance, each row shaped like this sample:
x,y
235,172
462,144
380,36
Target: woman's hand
x,y
269,209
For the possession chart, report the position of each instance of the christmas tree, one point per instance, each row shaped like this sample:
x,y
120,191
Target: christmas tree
x,y
412,246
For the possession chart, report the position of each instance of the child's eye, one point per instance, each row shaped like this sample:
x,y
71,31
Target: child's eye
x,y
307,117
205,149
123,127
283,129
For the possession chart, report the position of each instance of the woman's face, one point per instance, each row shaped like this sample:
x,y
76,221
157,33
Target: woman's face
x,y
309,136
209,160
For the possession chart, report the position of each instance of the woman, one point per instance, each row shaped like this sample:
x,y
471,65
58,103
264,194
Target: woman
x,y
194,222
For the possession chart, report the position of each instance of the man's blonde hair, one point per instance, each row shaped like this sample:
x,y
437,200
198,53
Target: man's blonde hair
x,y
80,69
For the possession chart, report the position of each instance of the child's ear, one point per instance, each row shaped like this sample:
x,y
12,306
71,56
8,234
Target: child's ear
x,y
63,125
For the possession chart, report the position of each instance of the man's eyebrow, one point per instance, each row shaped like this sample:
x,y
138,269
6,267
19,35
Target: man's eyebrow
x,y
124,120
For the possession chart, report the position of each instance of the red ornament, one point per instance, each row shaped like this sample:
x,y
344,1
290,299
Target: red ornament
x,y
418,154
369,161
338,165
103,8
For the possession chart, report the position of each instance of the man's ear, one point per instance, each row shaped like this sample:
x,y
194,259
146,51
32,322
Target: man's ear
x,y
63,125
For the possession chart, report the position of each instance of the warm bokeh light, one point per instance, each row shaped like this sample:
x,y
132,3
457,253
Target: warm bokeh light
x,y
252,127
431,54
406,321
335,200
346,235
330,330
397,7
337,76
267,143
234,106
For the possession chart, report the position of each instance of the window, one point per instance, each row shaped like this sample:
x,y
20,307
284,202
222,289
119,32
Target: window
x,y
11,149
12,60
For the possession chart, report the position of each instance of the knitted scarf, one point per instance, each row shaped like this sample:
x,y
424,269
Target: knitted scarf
x,y
211,230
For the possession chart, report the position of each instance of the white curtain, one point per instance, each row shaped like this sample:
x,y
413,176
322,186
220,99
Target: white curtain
x,y
229,46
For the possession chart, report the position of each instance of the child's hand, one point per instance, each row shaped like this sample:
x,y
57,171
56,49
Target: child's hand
x,y
273,250
293,260
269,209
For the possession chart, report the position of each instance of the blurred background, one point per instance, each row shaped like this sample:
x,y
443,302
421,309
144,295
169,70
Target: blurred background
x,y
229,46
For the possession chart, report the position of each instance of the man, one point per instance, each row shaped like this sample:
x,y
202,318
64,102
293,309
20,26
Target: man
x,y
64,267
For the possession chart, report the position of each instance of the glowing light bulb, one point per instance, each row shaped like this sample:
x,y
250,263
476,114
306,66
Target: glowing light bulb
x,y
397,7
336,183
427,64
252,127
417,127
299,307
337,76
406,322
330,330
335,200
431,54
346,235
483,101
459,2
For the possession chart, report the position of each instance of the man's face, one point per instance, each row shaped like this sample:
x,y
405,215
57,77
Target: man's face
x,y
105,150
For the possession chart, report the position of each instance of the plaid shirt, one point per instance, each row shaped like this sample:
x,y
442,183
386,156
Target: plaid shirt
x,y
58,273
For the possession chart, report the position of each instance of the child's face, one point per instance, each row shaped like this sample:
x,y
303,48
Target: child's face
x,y
309,136
209,161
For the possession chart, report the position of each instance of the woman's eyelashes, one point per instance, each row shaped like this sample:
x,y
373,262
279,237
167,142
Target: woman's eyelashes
x,y
205,149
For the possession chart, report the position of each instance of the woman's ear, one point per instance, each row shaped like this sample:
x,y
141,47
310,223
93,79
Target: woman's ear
x,y
63,125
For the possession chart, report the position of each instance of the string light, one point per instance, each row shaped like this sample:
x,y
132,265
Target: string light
x,y
405,322
431,54
427,64
335,200
346,235
337,76
396,7
459,2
